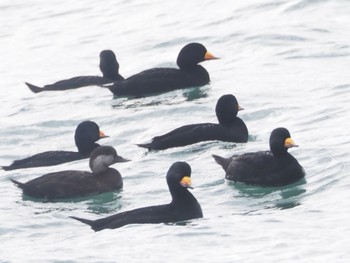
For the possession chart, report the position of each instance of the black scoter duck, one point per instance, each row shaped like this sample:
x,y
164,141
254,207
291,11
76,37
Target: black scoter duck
x,y
86,134
183,206
71,184
159,80
230,128
108,65
276,167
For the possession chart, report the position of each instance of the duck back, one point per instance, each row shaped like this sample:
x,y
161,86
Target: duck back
x,y
159,80
48,158
71,184
265,169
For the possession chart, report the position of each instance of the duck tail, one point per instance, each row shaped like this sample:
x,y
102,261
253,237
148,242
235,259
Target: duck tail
x,y
5,168
224,162
145,145
91,223
34,88
18,184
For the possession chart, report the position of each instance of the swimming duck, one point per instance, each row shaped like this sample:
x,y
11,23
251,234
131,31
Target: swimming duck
x,y
159,80
183,205
86,134
108,65
276,167
71,184
230,128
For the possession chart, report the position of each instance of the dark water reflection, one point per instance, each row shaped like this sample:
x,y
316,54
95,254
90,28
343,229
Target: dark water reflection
x,y
280,197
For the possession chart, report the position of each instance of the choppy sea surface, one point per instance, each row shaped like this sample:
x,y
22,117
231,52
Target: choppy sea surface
x,y
287,62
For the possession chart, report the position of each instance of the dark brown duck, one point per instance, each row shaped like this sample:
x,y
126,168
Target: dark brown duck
x,y
71,184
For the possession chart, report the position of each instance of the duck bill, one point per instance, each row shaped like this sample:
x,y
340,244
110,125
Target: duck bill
x,y
120,159
289,143
186,182
102,135
240,108
209,56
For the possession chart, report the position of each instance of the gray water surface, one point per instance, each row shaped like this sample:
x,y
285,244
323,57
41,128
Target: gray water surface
x,y
287,62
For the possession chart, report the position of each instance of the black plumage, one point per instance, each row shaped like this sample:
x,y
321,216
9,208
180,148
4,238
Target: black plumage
x,y
276,167
71,184
108,65
183,206
86,134
159,80
230,128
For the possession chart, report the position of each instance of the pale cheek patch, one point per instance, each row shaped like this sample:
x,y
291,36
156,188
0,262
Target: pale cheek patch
x,y
100,163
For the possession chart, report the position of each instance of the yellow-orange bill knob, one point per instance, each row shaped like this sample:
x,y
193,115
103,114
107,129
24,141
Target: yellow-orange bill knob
x,y
209,56
289,143
186,182
102,135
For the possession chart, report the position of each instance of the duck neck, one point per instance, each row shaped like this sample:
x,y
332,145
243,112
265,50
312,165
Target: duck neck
x,y
229,120
102,171
280,153
111,75
193,68
181,196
